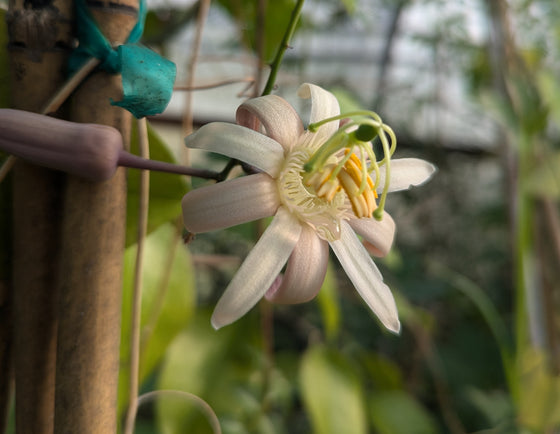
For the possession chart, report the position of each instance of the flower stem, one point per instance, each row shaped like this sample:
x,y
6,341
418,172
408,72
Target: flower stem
x,y
143,146
126,159
284,45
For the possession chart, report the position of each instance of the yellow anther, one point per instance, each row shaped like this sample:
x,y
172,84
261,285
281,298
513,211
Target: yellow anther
x,y
358,189
351,177
351,136
363,187
358,202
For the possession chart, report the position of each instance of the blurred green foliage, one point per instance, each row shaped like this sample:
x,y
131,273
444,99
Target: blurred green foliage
x,y
269,31
165,188
168,301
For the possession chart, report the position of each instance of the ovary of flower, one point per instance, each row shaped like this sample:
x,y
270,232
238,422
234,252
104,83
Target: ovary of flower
x,y
312,209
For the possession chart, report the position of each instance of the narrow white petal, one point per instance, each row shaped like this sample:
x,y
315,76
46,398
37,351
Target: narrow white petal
x,y
323,105
366,277
241,143
406,173
258,271
305,272
276,115
230,203
379,233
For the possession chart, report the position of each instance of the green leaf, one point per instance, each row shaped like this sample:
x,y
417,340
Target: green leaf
x,y
347,100
329,304
383,372
196,361
165,22
539,407
550,91
544,179
332,393
166,189
396,412
495,405
168,300
277,17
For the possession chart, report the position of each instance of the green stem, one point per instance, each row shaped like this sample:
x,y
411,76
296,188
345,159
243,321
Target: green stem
x,y
524,265
275,66
143,146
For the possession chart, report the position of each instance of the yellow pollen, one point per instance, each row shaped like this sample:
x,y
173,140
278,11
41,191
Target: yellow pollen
x,y
350,177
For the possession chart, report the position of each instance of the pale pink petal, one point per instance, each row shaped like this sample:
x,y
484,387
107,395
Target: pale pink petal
x,y
305,272
241,143
260,268
230,203
273,113
406,173
366,277
323,105
378,234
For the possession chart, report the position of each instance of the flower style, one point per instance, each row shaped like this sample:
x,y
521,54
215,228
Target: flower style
x,y
317,183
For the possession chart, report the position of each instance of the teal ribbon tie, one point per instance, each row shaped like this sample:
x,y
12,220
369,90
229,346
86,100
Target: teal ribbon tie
x,y
147,78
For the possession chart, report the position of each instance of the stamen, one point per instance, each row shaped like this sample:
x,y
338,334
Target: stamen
x,y
352,171
324,183
358,188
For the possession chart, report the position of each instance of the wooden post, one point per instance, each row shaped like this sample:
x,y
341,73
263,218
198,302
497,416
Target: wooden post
x,y
40,37
93,237
6,355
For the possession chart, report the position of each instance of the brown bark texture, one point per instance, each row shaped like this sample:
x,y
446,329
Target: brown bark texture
x,y
93,235
40,35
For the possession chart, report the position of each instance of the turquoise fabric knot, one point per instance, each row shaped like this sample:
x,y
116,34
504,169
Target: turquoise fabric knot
x,y
147,78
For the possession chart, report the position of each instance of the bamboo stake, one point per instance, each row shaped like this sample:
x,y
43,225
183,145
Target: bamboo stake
x,y
91,260
40,36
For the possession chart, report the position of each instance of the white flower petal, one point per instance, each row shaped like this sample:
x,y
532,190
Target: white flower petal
x,y
278,118
378,233
406,173
305,272
241,143
230,203
258,271
366,277
323,105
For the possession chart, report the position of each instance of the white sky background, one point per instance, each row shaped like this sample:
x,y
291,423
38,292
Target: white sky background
x,y
346,56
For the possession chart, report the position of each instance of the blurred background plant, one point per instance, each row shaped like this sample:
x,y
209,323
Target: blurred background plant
x,y
470,85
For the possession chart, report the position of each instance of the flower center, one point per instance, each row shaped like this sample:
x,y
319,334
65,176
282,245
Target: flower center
x,y
323,184
322,212
349,175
